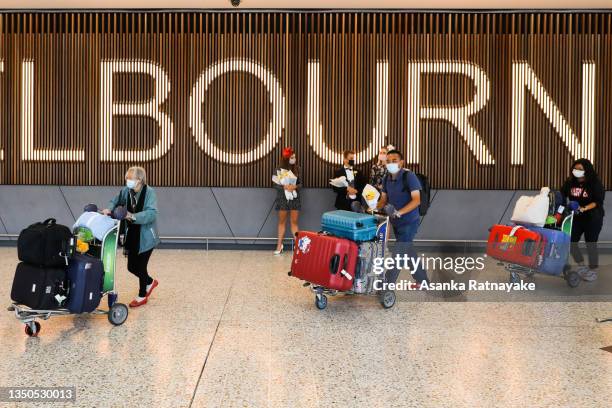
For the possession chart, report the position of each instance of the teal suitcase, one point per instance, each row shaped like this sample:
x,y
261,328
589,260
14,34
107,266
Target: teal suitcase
x,y
351,225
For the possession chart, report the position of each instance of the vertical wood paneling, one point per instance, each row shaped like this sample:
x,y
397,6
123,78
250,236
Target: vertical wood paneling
x,y
67,50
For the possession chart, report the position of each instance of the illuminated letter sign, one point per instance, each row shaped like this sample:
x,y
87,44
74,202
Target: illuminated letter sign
x,y
150,108
523,76
457,116
315,128
277,100
28,151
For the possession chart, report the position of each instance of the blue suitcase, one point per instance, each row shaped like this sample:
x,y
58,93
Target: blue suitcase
x,y
85,274
556,250
351,225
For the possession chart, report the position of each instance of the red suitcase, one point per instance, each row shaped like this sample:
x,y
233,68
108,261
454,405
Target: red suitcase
x,y
324,260
515,244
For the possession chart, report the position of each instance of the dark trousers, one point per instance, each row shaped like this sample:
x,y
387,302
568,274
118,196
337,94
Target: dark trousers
x,y
590,226
404,235
137,264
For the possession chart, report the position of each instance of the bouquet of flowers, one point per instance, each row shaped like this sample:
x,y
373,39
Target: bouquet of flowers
x,y
285,178
339,182
371,195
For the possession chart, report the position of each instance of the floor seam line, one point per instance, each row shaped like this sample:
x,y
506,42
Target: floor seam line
x,y
195,390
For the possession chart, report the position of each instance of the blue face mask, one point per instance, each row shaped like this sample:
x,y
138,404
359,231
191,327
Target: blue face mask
x,y
131,184
393,167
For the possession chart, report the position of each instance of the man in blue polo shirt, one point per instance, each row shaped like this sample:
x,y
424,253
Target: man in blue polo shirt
x,y
402,189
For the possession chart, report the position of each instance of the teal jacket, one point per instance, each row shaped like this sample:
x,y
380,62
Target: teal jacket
x,y
149,237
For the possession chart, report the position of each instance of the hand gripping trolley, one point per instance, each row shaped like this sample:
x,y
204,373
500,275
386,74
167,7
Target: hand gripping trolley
x,y
117,313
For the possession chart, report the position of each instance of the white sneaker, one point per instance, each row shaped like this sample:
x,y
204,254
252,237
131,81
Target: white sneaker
x,y
279,251
587,274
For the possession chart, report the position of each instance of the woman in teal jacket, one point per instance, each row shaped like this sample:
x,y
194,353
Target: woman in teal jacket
x,y
141,235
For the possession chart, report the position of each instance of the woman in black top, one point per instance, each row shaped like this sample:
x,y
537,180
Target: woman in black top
x,y
282,204
585,187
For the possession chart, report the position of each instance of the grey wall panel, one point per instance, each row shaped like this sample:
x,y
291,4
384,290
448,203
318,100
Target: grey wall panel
x,y
190,212
315,201
79,197
245,209
20,206
463,214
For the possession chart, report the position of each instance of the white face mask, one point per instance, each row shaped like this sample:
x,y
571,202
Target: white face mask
x,y
382,157
578,173
292,161
393,167
131,184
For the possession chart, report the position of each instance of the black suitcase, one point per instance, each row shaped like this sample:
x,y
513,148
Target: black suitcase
x,y
86,275
45,244
39,288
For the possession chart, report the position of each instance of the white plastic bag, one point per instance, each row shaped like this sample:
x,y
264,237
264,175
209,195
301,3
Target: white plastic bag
x,y
532,210
98,224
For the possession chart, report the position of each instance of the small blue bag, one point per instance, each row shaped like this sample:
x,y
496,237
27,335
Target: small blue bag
x,y
556,251
351,225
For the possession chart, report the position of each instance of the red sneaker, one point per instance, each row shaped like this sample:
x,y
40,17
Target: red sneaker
x,y
153,286
135,303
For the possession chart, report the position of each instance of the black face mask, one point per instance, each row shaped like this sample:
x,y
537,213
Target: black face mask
x,y
351,162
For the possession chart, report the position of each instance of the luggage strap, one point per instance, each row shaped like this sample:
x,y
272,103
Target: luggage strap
x,y
516,228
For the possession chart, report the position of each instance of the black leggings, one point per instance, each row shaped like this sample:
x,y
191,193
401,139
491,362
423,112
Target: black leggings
x,y
590,226
137,264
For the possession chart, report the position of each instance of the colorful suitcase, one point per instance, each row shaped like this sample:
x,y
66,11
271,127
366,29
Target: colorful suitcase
x,y
556,250
351,225
515,244
324,260
85,274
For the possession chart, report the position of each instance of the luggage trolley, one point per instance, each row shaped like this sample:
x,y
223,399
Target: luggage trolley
x,y
117,312
364,283
571,277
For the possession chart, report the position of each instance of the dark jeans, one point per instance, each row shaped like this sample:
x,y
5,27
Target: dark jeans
x,y
590,226
404,235
137,264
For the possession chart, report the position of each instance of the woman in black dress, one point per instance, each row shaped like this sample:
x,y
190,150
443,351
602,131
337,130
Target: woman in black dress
x,y
283,205
585,187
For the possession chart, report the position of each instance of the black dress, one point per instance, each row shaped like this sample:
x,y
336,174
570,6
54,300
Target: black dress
x,y
281,202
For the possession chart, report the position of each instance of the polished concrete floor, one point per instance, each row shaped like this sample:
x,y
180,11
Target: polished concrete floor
x,y
231,329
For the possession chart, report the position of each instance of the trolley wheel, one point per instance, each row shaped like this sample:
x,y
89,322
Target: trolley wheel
x,y
572,279
118,314
514,277
387,299
321,301
32,329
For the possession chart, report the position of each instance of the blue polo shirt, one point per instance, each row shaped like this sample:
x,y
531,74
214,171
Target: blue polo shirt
x,y
398,197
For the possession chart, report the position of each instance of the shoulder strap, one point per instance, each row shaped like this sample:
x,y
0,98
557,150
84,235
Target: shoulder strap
x,y
405,180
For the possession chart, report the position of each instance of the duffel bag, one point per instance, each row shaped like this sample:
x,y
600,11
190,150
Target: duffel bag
x,y
39,288
45,244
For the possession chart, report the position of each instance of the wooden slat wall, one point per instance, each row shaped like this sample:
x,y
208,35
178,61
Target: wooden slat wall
x,y
67,49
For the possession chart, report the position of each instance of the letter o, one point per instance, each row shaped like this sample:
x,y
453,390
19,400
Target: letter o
x,y
276,98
